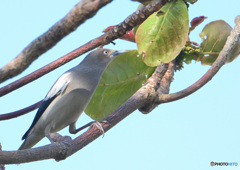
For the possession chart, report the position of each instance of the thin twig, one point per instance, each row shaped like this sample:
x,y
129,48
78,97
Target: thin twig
x,y
20,112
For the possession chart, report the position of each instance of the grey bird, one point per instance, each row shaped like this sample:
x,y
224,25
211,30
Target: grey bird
x,y
68,97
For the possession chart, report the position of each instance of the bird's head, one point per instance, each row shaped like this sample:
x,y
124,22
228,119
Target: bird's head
x,y
101,57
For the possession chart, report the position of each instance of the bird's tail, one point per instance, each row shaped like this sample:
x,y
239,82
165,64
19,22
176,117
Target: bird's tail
x,y
30,141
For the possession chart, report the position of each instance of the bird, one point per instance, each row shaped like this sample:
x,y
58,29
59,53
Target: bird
x,y
68,97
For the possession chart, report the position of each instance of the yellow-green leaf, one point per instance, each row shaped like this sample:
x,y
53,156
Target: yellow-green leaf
x,y
214,37
162,36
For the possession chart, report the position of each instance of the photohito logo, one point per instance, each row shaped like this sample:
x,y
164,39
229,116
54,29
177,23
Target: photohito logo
x,y
223,163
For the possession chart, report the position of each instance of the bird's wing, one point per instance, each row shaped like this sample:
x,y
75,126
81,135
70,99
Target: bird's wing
x,y
58,88
60,85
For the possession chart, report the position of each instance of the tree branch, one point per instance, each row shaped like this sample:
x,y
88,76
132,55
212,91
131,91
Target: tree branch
x,y
232,41
156,81
20,112
161,87
118,31
84,10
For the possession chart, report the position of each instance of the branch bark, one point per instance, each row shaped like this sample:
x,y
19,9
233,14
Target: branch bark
x,y
82,11
118,31
161,87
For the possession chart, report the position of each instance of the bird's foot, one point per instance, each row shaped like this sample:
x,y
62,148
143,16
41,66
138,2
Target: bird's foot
x,y
99,126
73,129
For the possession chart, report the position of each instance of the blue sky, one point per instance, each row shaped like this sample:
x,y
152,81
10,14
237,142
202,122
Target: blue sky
x,y
186,134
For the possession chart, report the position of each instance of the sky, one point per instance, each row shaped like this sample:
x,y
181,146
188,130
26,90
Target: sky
x,y
186,134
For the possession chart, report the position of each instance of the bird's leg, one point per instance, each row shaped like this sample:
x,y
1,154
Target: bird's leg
x,y
73,130
48,136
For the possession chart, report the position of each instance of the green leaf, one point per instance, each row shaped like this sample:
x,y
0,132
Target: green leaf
x,y
214,37
123,77
162,36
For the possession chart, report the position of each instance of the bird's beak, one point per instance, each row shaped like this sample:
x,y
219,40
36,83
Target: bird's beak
x,y
115,53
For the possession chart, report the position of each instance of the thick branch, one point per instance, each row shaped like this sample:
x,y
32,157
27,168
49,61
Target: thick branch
x,y
156,81
232,41
118,31
161,87
84,10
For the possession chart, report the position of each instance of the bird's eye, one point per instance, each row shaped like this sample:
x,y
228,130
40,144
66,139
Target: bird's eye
x,y
105,52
